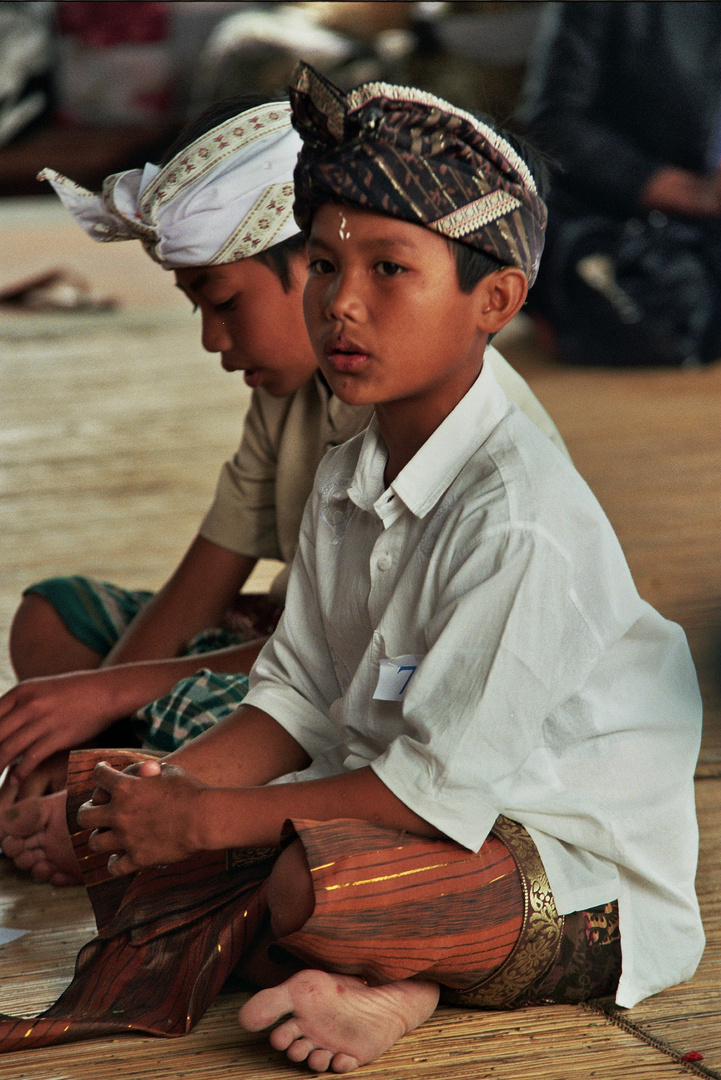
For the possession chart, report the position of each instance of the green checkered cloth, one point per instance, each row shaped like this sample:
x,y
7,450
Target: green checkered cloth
x,y
97,613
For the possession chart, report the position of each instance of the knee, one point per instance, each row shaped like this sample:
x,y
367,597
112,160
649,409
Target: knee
x,y
290,891
28,631
40,643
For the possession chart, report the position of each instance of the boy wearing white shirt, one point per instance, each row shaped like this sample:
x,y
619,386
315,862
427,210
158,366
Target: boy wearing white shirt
x,y
89,654
482,738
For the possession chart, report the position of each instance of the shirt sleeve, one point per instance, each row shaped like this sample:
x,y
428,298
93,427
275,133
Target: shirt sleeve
x,y
293,679
242,517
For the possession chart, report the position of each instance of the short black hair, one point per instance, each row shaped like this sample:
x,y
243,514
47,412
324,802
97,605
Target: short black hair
x,y
472,265
276,258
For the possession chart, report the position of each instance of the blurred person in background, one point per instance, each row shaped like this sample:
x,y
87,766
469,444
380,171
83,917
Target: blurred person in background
x,y
625,98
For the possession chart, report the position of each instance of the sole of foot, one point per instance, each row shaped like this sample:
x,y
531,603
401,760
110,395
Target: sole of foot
x,y
336,1022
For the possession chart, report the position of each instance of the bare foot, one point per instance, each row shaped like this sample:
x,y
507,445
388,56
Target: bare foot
x,y
50,776
35,836
336,1021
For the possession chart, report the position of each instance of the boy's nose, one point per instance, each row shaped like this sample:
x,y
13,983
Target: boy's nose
x,y
215,336
344,300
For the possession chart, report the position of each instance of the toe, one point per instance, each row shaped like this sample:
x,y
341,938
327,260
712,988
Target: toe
x,y
285,1034
265,1008
300,1049
343,1063
319,1060
13,846
60,878
26,858
42,870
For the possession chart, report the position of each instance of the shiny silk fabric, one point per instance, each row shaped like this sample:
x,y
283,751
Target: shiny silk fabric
x,y
406,153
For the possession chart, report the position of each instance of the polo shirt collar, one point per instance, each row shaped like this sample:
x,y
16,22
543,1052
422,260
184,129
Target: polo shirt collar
x,y
431,471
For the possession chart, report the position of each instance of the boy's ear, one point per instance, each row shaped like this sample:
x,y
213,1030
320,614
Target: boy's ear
x,y
500,296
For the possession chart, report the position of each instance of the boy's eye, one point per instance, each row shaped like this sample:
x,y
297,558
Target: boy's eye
x,y
224,305
386,268
320,266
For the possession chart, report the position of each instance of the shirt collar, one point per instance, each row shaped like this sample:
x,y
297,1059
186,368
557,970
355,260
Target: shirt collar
x,y
431,471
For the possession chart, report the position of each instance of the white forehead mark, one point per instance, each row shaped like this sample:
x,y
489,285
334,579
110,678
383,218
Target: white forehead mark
x,y
342,231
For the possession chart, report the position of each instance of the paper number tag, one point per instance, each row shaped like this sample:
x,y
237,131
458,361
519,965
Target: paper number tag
x,y
394,676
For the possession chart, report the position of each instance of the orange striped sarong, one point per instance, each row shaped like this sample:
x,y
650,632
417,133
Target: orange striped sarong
x,y
484,925
392,906
389,906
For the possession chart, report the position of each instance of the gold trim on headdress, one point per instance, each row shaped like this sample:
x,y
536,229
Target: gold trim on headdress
x,y
475,215
260,226
362,95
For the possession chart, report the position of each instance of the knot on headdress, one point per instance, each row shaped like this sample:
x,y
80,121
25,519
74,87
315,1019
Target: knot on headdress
x,y
224,197
409,154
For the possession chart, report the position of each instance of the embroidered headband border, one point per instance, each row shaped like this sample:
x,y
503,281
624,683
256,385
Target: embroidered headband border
x,y
206,153
266,218
475,215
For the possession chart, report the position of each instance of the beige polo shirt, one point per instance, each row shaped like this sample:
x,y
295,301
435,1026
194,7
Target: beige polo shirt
x,y
264,487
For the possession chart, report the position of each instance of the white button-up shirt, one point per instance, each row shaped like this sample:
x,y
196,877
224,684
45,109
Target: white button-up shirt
x,y
540,686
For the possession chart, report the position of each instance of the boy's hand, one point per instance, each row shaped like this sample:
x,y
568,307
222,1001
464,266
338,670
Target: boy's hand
x,y
40,716
678,191
147,815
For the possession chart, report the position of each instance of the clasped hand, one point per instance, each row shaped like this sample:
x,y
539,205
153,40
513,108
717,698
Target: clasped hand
x,y
145,816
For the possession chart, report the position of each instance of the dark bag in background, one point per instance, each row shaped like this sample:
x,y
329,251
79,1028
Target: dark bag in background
x,y
640,292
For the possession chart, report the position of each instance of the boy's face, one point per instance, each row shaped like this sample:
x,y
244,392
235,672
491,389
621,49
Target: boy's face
x,y
252,322
386,316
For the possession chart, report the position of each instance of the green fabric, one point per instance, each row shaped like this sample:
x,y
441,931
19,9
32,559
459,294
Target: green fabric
x,y
192,706
97,613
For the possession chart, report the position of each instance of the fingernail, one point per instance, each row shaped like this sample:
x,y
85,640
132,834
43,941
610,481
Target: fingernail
x,y
112,860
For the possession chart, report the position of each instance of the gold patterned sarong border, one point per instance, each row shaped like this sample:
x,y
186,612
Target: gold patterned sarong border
x,y
540,937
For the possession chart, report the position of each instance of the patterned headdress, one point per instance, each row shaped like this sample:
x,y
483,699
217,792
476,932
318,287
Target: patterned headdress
x,y
411,155
225,197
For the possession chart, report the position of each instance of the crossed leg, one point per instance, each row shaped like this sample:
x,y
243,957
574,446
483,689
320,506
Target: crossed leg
x,y
336,1022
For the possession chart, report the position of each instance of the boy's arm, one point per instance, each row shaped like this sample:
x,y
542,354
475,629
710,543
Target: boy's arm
x,y
197,596
39,717
165,814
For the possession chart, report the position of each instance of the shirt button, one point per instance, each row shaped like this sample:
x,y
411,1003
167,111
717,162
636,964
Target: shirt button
x,y
384,562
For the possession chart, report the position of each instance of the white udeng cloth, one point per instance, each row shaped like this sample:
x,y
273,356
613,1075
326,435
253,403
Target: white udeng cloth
x,y
227,196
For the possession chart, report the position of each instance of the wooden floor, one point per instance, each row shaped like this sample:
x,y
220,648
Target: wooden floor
x,y
112,428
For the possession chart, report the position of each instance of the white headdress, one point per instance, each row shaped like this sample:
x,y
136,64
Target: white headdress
x,y
225,197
